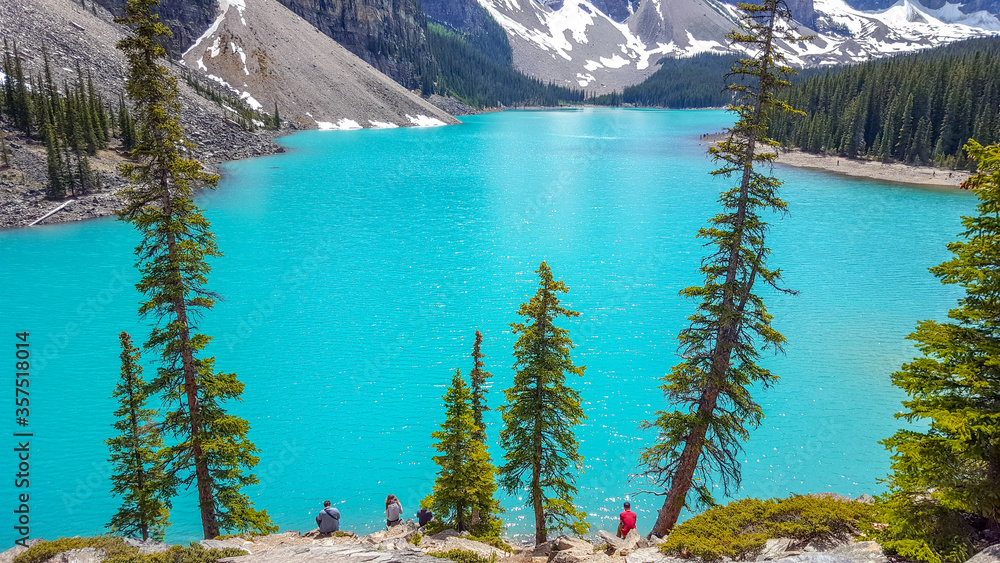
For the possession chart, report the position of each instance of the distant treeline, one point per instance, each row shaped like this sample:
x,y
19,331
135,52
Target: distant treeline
x,y
695,82
477,69
918,108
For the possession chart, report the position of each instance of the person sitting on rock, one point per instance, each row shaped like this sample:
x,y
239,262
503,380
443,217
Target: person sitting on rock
x,y
393,510
328,519
424,516
626,521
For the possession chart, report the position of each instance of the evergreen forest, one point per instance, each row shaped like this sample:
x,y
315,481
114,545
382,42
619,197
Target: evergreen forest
x,y
920,108
478,69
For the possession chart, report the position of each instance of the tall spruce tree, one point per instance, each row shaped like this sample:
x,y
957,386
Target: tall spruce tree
x,y
711,386
477,381
465,488
210,447
541,411
138,474
953,466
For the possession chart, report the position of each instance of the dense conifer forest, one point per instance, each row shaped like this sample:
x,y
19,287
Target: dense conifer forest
x,y
477,69
694,82
919,108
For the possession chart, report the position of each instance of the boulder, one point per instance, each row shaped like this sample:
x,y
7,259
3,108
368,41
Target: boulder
x,y
834,496
147,546
989,555
866,499
10,554
630,542
465,544
614,541
225,544
541,550
564,543
775,549
827,544
815,557
445,534
570,556
84,555
645,555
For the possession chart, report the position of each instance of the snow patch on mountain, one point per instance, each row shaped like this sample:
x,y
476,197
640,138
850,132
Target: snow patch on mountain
x,y
578,45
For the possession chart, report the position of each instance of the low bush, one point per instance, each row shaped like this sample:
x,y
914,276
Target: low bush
x,y
47,549
740,529
177,554
464,556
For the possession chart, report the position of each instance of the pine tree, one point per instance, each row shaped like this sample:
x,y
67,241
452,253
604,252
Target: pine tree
x,y
4,150
210,447
711,386
464,490
541,411
138,476
277,118
953,466
477,379
57,182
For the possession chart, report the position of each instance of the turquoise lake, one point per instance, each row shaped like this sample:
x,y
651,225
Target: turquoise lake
x,y
359,264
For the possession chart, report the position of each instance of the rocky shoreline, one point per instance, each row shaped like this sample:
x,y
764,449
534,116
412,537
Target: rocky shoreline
x,y
407,544
22,186
893,172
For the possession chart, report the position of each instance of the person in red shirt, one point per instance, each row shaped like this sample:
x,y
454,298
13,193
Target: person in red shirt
x,y
626,521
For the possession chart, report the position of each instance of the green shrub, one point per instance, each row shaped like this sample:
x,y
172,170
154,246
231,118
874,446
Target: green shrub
x,y
342,534
415,540
918,528
465,556
37,554
740,529
177,554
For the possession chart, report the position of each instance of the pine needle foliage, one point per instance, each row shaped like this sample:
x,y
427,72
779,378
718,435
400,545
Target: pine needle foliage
x,y
138,476
541,411
477,379
954,465
465,487
698,443
211,449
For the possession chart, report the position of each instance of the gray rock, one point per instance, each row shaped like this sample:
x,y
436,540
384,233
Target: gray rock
x,y
630,542
85,555
834,496
443,535
614,541
10,554
774,549
570,556
563,543
866,499
148,546
815,558
224,544
989,555
862,552
348,553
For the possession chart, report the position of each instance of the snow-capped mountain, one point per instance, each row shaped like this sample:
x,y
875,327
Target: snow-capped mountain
x,y
576,44
268,56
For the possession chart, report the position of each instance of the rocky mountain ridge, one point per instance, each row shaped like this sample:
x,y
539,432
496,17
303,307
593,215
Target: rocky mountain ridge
x,y
578,45
269,57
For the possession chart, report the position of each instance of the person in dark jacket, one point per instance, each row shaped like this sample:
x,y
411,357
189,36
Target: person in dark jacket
x,y
328,519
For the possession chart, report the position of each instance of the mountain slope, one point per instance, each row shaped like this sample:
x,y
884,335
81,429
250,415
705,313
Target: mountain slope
x,y
268,55
575,44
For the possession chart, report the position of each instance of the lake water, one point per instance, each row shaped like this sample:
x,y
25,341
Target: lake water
x,y
359,264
